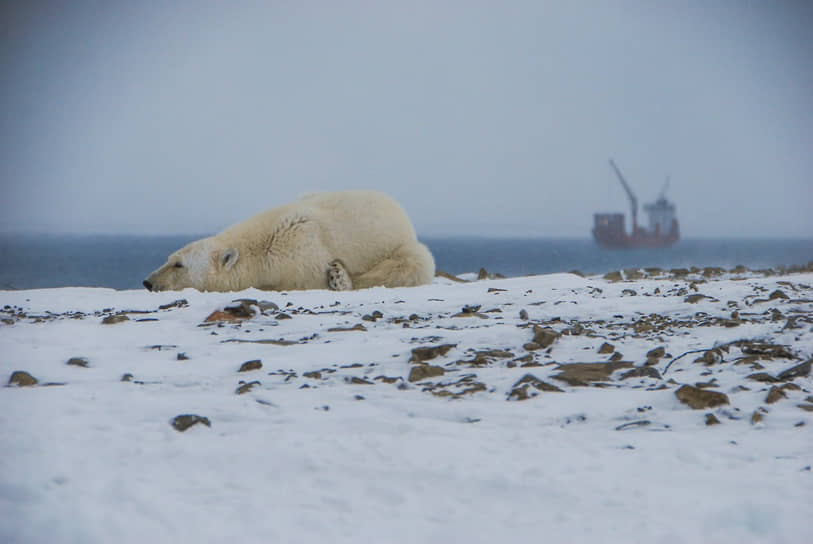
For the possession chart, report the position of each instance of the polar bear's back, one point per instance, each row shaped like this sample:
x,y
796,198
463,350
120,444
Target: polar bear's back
x,y
358,227
366,225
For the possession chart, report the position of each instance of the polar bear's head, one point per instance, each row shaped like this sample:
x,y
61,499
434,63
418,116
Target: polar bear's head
x,y
201,265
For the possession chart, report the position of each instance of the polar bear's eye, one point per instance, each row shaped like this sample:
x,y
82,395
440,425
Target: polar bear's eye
x,y
178,265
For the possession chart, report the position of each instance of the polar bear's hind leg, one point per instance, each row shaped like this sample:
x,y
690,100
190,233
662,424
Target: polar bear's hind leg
x,y
410,265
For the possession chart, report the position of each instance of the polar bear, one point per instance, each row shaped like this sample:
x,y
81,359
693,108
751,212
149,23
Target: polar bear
x,y
342,240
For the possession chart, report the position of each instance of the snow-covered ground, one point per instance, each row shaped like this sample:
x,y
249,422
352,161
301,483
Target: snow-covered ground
x,y
334,443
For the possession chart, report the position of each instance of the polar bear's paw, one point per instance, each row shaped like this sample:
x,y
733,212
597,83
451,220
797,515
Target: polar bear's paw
x,y
337,277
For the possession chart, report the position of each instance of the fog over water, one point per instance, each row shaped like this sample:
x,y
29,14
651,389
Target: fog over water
x,y
481,118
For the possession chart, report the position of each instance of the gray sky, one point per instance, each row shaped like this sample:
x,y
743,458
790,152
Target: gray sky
x,y
479,117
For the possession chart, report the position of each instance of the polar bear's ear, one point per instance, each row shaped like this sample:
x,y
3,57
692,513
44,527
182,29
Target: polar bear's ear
x,y
228,258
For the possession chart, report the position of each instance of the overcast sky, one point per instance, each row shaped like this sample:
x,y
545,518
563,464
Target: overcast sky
x,y
481,118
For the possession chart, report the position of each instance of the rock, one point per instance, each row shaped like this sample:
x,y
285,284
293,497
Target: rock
x,y
763,377
218,315
486,357
641,372
711,271
519,393
244,387
617,356
531,346
633,425
778,294
613,276
756,417
774,395
181,357
113,319
21,378
283,315
544,336
537,384
711,419
314,375
180,303
357,381
764,350
797,371
356,327
423,371
482,274
695,298
442,274
710,357
427,353
254,364
655,354
126,377
606,348
523,314
699,399
471,310
806,407
633,274
184,421
242,308
78,361
581,374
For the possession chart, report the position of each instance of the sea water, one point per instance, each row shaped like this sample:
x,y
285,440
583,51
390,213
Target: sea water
x,y
122,262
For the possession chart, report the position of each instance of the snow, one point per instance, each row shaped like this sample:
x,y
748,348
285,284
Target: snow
x,y
95,459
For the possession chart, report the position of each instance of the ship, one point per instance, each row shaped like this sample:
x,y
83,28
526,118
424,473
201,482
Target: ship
x,y
610,232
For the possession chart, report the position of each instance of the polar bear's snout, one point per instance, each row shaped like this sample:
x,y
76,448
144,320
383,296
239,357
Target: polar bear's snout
x,y
147,284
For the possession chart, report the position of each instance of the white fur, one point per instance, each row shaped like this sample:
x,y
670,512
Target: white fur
x,y
292,246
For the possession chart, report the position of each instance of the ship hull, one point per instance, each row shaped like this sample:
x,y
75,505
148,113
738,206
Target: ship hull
x,y
622,240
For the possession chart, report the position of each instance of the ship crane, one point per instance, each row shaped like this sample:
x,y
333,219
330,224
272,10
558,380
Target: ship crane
x,y
630,195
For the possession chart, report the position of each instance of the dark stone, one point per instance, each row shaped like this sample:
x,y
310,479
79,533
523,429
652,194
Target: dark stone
x,y
581,374
778,294
357,381
423,371
181,357
22,378
641,372
656,353
762,377
633,424
798,371
544,336
711,419
78,361
699,399
184,421
180,303
246,387
113,319
356,327
255,364
127,377
427,353
606,348
695,298
774,395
